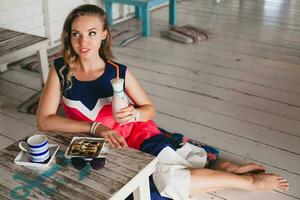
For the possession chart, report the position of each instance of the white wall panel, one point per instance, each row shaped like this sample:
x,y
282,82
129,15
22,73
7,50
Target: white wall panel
x,y
46,17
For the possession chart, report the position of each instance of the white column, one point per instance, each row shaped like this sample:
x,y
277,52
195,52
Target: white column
x,y
43,60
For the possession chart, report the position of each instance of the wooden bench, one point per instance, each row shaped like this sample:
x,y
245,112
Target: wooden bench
x,y
142,8
15,46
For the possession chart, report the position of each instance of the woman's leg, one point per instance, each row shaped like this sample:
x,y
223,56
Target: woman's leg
x,y
203,180
239,169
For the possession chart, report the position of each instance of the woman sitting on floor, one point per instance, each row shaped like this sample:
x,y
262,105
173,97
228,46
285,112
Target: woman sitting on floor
x,y
81,81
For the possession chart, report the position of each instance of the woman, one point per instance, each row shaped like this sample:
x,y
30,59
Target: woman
x,y
81,81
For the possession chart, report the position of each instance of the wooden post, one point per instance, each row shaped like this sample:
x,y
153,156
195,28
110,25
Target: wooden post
x,y
43,60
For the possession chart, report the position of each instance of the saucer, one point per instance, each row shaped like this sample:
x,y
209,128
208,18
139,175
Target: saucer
x,y
23,158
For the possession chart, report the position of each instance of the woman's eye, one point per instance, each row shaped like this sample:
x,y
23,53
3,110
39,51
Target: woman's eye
x,y
75,34
92,33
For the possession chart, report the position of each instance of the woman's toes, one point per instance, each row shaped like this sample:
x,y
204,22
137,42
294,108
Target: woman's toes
x,y
284,186
280,178
270,181
283,183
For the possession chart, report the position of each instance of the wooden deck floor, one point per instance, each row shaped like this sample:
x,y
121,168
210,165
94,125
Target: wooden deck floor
x,y
239,91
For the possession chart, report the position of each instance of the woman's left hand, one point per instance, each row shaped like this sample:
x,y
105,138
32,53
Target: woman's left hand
x,y
126,114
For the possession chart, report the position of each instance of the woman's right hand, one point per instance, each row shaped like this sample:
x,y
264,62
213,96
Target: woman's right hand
x,y
114,139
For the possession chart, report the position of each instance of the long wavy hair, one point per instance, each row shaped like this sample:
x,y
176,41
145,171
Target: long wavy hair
x,y
70,56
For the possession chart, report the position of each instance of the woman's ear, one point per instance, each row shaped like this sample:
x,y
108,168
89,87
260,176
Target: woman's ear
x,y
103,35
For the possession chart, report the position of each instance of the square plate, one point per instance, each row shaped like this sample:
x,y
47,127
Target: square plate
x,y
86,147
23,158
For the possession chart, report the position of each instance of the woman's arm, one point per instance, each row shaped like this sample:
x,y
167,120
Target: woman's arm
x,y
140,99
47,120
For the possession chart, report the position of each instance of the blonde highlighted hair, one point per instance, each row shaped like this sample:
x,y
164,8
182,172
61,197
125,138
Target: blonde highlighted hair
x,y
70,57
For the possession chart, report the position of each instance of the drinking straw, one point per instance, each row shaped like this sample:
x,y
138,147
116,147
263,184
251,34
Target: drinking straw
x,y
116,66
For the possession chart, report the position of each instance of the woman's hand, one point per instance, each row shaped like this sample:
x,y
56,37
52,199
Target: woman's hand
x,y
126,114
114,139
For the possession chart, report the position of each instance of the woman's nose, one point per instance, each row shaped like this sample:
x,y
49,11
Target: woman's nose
x,y
83,40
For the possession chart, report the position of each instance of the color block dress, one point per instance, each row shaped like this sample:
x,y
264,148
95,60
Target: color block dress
x,y
91,101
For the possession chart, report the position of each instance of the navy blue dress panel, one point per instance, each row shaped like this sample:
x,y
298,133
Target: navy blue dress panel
x,y
89,92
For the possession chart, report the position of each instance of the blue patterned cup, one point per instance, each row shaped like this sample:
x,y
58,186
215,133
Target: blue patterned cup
x,y
37,147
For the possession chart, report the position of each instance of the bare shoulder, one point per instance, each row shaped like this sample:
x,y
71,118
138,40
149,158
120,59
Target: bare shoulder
x,y
52,81
53,76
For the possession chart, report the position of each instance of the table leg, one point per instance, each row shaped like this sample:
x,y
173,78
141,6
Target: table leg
x,y
172,12
43,60
137,12
143,191
145,20
108,9
3,68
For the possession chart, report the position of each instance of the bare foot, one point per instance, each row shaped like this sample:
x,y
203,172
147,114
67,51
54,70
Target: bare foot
x,y
269,182
241,169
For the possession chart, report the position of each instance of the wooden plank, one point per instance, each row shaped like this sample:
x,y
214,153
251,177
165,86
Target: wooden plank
x,y
68,190
8,108
204,55
222,88
38,31
7,4
56,4
26,24
243,24
21,12
5,141
55,13
13,128
224,135
239,51
232,11
15,91
19,42
226,117
270,94
247,45
162,85
207,22
29,81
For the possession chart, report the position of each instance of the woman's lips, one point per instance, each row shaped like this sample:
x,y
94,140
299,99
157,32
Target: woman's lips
x,y
83,50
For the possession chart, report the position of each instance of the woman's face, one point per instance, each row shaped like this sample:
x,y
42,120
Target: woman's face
x,y
86,36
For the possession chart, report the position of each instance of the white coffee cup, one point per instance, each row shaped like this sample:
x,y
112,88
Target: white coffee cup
x,y
37,147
